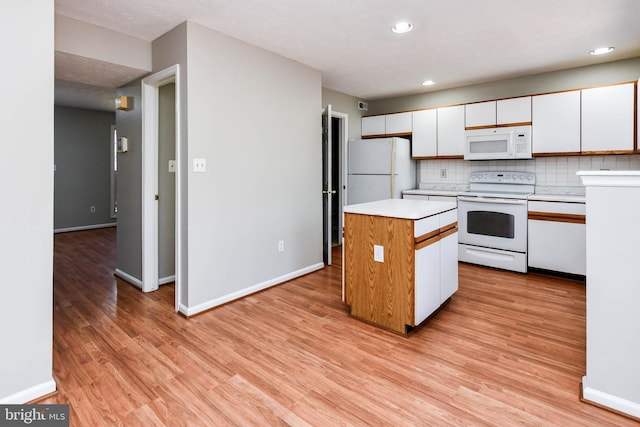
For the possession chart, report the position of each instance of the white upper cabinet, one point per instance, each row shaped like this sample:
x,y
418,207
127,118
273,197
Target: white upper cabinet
x,y
503,112
556,123
513,111
387,124
480,114
607,118
451,136
373,125
424,142
398,123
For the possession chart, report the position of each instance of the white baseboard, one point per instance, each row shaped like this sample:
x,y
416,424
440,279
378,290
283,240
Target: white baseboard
x,y
30,394
128,278
190,311
84,227
609,400
165,280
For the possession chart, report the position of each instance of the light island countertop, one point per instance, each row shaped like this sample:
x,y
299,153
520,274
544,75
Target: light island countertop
x,y
400,208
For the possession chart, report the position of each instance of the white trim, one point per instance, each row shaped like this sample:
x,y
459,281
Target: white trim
x,y
30,394
190,311
128,278
150,87
343,167
113,174
85,227
165,280
610,401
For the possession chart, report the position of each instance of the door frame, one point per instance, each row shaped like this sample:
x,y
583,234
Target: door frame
x,y
150,106
342,150
344,136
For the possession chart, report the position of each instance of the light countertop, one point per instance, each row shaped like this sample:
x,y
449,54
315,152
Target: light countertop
x,y
400,208
421,192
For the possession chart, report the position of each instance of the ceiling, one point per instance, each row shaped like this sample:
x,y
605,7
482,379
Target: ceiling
x,y
454,42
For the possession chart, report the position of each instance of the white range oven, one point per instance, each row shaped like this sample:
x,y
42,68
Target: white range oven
x,y
492,219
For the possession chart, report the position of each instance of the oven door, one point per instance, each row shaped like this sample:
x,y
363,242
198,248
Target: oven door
x,y
493,223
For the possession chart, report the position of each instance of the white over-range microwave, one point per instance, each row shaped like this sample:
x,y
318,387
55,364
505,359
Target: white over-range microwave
x,y
511,142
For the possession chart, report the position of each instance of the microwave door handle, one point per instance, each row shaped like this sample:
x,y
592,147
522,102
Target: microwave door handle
x,y
493,201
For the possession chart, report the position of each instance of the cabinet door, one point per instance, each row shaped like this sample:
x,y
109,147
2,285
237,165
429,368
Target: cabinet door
x,y
451,131
480,114
607,118
373,125
398,123
448,266
556,244
513,111
424,142
427,281
556,123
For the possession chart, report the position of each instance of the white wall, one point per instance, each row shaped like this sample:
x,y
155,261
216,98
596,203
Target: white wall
x,y
26,221
256,119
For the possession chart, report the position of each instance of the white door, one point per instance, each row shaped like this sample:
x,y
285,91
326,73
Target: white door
x,y
327,185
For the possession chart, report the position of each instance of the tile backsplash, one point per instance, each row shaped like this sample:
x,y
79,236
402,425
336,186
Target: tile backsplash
x,y
550,171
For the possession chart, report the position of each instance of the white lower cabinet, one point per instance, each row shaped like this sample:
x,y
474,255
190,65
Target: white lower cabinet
x,y
557,237
436,263
427,281
448,265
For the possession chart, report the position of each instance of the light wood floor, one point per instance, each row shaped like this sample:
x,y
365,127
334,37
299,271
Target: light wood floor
x,y
509,349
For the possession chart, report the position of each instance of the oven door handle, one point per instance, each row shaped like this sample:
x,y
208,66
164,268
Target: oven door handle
x,y
492,200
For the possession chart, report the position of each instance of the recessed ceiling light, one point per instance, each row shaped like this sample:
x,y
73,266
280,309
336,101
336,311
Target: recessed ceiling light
x,y
428,83
402,27
602,50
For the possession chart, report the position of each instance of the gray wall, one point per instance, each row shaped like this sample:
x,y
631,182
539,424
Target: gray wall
x,y
255,117
346,104
129,234
594,75
83,164
26,220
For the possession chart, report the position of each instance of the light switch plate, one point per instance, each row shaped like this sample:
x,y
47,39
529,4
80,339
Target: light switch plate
x,y
199,165
378,253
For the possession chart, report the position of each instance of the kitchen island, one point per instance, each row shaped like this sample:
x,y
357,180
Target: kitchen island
x,y
400,260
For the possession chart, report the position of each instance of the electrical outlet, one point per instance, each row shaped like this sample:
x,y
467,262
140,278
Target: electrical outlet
x,y
92,209
199,165
281,246
443,173
378,253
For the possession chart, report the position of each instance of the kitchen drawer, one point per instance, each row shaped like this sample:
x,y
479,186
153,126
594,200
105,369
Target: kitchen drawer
x,y
426,225
448,217
557,207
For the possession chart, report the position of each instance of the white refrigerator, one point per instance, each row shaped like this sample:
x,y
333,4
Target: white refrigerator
x,y
379,169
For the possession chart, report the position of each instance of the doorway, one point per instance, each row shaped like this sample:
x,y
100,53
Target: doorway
x,y
166,183
335,131
152,187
